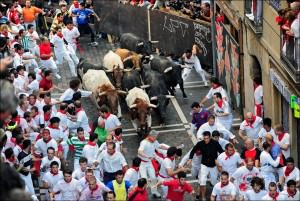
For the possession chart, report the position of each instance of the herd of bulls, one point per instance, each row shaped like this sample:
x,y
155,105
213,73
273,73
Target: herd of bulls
x,y
134,70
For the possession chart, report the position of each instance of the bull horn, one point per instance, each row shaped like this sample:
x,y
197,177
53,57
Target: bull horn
x,y
184,66
127,58
152,105
108,71
132,106
147,57
153,98
151,57
154,41
168,69
102,93
144,86
169,96
121,92
140,44
127,70
141,56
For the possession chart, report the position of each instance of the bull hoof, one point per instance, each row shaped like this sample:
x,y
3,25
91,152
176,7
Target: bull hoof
x,y
185,96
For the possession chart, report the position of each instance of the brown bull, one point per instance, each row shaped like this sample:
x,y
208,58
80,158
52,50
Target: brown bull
x,y
129,55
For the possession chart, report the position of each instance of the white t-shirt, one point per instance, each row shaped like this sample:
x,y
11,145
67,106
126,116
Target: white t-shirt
x,y
32,39
103,147
243,177
17,60
46,162
84,121
132,176
258,95
20,82
84,184
69,191
59,45
90,152
68,94
111,163
56,134
111,122
278,198
284,141
52,180
229,164
267,163
166,164
295,26
223,142
41,146
225,109
219,89
217,126
294,175
225,192
78,174
148,148
291,197
251,195
33,86
70,35
262,133
252,130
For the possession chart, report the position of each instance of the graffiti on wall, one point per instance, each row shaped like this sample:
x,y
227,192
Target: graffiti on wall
x,y
228,64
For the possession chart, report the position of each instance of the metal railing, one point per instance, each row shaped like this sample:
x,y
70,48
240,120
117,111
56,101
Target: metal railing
x,y
254,11
290,51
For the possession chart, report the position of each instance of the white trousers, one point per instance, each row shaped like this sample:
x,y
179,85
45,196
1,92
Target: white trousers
x,y
28,182
65,55
49,64
186,72
268,177
226,121
147,171
205,171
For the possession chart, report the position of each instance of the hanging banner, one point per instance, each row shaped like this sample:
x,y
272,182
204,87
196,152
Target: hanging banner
x,y
297,111
293,101
228,64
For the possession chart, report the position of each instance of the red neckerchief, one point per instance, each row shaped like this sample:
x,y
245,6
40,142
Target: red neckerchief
x,y
78,110
217,86
36,115
13,140
160,154
11,159
106,116
60,35
50,138
288,171
172,159
62,111
198,153
280,137
91,143
290,193
53,173
47,116
220,103
76,4
228,156
20,145
135,168
223,185
17,119
256,85
274,198
118,138
93,190
50,126
81,138
5,34
249,123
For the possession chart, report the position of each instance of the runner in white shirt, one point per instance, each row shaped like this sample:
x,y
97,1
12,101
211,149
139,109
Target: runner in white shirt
x,y
217,137
69,187
191,60
84,181
167,169
290,172
110,162
62,115
273,193
291,193
74,86
258,97
33,37
243,175
47,160
109,138
257,191
216,86
223,190
196,163
33,84
21,80
43,144
90,150
268,164
250,127
111,121
146,152
71,33
211,125
222,111
80,171
51,179
267,128
132,174
81,119
229,160
282,138
33,101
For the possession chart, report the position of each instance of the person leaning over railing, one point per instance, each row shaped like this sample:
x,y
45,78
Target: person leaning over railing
x,y
295,31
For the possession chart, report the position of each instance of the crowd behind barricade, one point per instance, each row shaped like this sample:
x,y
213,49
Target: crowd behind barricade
x,y
39,134
194,9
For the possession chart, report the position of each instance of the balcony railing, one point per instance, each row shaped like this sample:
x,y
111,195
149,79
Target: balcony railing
x,y
253,13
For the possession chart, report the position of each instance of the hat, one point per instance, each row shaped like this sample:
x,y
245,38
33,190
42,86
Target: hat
x,y
62,3
269,136
153,133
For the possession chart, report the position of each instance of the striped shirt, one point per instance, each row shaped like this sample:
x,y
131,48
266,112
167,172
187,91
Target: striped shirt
x,y
78,145
25,42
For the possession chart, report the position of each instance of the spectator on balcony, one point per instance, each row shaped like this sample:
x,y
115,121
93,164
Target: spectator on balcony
x,y
288,46
205,13
256,11
295,31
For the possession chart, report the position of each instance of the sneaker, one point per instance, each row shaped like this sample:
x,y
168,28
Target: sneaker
x,y
58,76
205,84
94,44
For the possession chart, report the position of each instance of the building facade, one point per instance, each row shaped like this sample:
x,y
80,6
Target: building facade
x,y
267,52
